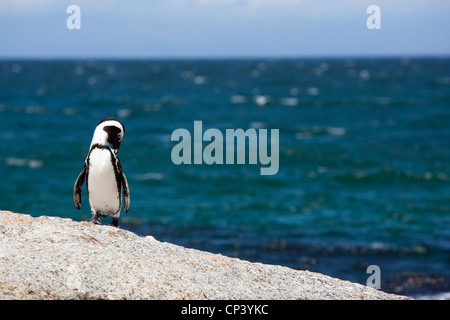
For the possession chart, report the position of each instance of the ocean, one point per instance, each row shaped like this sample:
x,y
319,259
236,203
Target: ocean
x,y
364,154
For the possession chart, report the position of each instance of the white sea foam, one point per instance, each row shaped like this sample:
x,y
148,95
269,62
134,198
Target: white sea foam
x,y
335,131
305,133
313,91
290,102
433,296
257,125
123,113
364,74
19,162
199,80
34,109
238,99
261,100
155,176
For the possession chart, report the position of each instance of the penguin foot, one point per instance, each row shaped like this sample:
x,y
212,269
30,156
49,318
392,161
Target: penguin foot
x,y
114,223
94,221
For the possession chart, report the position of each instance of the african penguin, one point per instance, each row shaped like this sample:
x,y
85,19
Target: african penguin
x,y
103,174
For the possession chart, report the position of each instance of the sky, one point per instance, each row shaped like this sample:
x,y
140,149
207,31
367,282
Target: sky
x,y
223,28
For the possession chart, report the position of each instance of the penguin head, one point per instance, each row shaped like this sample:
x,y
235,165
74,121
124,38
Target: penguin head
x,y
109,131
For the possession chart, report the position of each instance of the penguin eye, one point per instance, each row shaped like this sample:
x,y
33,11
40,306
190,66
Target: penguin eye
x,y
119,136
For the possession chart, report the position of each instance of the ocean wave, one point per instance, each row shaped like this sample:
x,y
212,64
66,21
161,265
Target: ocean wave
x,y
238,99
375,248
290,102
390,175
123,113
20,162
308,132
154,176
262,100
30,109
313,91
420,286
433,296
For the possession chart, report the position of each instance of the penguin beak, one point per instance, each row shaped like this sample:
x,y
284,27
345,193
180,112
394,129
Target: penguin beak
x,y
116,146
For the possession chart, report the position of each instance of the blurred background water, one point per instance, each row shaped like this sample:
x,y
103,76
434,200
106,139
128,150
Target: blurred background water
x,y
364,157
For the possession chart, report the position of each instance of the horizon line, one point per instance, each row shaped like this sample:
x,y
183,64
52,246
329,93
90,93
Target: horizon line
x,y
234,57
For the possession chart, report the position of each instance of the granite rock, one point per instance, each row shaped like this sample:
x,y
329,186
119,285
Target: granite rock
x,y
54,258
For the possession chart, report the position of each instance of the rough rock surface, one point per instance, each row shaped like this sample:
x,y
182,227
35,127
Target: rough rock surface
x,y
55,258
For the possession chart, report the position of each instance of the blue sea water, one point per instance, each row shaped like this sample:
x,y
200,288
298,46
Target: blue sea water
x,y
364,152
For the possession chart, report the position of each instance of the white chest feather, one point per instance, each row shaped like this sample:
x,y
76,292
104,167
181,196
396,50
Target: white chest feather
x,y
104,194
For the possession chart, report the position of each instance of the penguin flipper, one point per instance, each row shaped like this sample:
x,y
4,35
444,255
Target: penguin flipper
x,y
77,188
126,193
126,190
